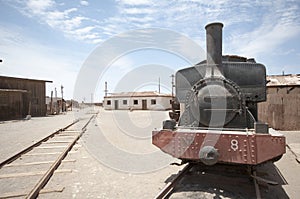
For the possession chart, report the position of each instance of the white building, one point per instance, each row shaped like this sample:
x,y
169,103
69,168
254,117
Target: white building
x,y
149,100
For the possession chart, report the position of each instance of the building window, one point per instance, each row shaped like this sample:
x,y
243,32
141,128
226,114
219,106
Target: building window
x,y
135,102
153,101
125,102
108,102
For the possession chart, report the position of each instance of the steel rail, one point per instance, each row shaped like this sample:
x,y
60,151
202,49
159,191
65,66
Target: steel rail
x,y
256,186
170,185
17,155
84,127
46,177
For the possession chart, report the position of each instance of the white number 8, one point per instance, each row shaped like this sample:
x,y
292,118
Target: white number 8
x,y
234,144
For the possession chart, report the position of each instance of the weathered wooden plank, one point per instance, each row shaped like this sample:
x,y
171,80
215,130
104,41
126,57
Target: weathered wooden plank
x,y
36,163
16,175
20,194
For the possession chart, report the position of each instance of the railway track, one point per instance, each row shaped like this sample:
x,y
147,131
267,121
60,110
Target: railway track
x,y
27,172
216,175
167,190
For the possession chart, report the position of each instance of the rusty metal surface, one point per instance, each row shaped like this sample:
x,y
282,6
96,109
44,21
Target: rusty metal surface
x,y
240,148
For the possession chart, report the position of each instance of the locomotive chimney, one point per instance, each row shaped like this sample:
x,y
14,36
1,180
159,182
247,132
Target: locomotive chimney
x,y
214,46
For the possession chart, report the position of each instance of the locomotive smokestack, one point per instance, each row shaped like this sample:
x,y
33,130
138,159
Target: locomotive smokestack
x,y
214,45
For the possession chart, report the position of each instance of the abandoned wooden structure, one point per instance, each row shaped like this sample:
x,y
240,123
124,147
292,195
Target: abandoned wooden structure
x,y
282,108
20,97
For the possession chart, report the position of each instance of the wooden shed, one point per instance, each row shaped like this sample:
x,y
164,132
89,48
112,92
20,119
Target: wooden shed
x,y
20,97
282,108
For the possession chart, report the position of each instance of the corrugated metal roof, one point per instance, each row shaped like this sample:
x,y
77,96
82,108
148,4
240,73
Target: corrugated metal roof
x,y
283,80
138,94
19,78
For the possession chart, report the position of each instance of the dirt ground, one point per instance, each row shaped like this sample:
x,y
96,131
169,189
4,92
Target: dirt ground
x,y
115,159
16,135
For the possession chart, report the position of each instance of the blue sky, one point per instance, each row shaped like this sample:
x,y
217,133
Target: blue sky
x,y
48,39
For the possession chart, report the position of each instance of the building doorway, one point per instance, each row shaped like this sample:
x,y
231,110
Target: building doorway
x,y
116,104
144,104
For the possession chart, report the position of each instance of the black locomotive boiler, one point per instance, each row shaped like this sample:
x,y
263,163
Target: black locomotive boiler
x,y
217,119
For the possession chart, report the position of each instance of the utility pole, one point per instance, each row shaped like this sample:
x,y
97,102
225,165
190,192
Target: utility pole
x,y
51,103
62,98
105,89
173,84
56,104
92,98
158,84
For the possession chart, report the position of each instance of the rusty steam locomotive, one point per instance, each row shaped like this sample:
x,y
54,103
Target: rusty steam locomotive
x,y
217,119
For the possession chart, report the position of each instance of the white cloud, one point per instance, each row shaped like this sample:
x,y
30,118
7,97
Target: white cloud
x,y
138,11
84,3
68,21
39,6
277,26
135,2
140,19
97,41
61,19
187,16
86,34
262,40
84,30
71,24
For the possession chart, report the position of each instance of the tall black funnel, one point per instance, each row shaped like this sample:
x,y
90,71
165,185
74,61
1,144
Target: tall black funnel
x,y
214,45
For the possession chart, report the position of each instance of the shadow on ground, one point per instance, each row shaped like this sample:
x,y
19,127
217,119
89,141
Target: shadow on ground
x,y
223,181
